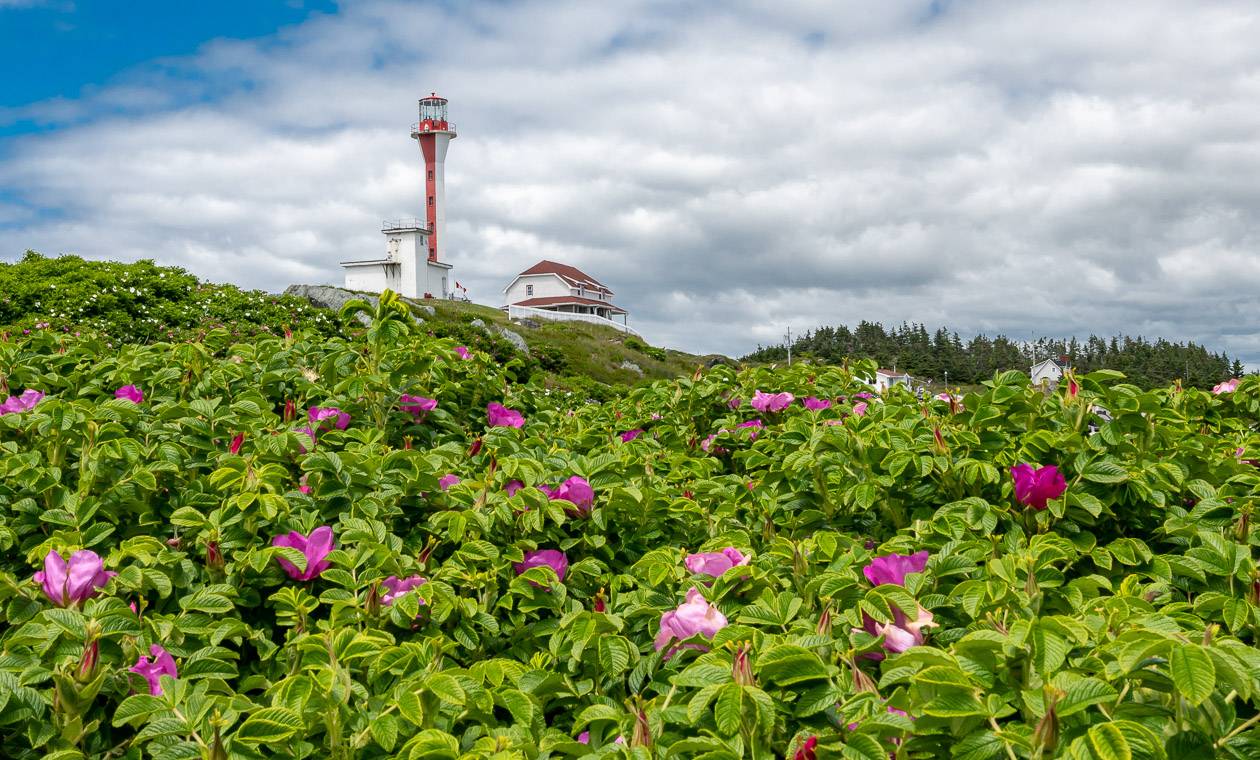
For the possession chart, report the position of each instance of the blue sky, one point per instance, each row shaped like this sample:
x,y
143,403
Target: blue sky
x,y
66,48
728,168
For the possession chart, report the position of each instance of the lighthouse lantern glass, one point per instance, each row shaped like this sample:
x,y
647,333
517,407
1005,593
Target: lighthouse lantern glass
x,y
433,109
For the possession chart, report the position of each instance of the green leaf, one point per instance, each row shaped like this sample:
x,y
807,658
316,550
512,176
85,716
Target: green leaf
x,y
270,724
728,709
1107,742
1083,693
384,730
1192,672
787,665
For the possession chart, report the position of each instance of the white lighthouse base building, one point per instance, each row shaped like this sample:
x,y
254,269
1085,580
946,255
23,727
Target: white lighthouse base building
x,y
405,269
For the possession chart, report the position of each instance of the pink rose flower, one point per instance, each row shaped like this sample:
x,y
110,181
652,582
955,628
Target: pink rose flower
x,y
694,617
771,402
1036,487
68,584
316,547
131,393
163,665
715,563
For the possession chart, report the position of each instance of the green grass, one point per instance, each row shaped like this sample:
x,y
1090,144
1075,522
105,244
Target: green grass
x,y
566,350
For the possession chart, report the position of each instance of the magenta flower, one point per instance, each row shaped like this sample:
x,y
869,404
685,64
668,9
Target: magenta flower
x,y
899,635
463,352
756,426
544,558
68,584
816,404
446,481
630,435
859,409
512,487
771,402
309,432
715,563
735,402
893,568
316,547
943,397
319,415
864,394
131,393
23,403
694,617
584,737
163,665
395,587
576,490
1036,487
1229,386
498,415
417,406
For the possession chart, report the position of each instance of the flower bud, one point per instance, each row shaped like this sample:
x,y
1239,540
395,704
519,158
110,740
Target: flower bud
x,y
807,750
741,668
475,448
290,410
89,659
824,622
214,556
642,736
373,602
599,604
1046,734
861,681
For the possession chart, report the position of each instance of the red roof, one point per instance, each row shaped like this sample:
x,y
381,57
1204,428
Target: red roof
x,y
565,300
572,275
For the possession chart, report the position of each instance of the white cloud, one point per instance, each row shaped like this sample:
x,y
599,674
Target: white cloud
x,y
727,169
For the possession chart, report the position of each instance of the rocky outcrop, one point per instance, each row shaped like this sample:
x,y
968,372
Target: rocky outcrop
x,y
514,338
328,297
631,366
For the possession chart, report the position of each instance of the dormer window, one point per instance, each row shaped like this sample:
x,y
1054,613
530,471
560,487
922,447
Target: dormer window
x,y
581,291
529,290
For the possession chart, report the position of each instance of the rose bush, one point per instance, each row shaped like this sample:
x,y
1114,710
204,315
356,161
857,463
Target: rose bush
x,y
258,589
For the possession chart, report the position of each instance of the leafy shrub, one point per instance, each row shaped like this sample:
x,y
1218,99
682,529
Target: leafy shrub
x,y
637,345
140,302
1119,621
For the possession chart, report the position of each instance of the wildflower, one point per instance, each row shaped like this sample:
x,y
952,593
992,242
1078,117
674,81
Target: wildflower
x,y
417,406
544,558
396,587
859,409
315,547
23,403
1036,487
735,402
756,426
816,404
71,583
463,352
1229,386
630,435
512,487
446,481
694,617
318,415
131,393
715,563
163,665
497,415
771,402
893,568
807,750
577,490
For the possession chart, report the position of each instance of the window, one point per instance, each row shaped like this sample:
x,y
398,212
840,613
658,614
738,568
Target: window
x,y
430,175
430,200
529,290
581,291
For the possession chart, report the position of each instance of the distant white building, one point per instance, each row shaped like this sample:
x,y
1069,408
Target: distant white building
x,y
887,378
558,291
405,268
1048,372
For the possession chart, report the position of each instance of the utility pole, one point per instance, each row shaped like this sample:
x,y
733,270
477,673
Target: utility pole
x,y
788,336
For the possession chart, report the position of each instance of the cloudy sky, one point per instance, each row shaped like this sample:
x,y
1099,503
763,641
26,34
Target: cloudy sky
x,y
729,168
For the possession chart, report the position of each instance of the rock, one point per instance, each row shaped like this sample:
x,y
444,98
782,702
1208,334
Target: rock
x,y
429,310
715,360
328,297
478,324
514,338
532,324
629,365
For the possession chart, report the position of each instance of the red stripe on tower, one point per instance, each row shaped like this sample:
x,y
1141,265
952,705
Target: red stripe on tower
x,y
434,133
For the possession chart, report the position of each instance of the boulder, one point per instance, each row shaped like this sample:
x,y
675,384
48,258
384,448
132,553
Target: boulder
x,y
328,297
477,323
631,366
514,338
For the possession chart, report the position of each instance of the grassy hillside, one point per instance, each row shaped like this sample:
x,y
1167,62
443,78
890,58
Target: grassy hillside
x,y
572,349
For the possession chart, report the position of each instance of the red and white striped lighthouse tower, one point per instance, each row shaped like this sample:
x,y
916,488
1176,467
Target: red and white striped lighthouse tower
x,y
434,133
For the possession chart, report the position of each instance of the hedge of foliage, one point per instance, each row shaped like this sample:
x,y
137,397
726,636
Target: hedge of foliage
x,y
141,302
310,547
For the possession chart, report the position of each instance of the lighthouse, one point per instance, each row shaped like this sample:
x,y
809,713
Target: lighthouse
x,y
413,265
434,133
